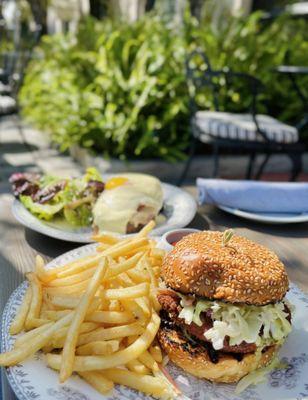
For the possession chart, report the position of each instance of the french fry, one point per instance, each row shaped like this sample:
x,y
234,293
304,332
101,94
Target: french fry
x,y
93,363
158,253
102,247
127,293
68,353
134,308
143,249
98,381
99,348
60,336
143,303
156,353
46,303
110,333
43,274
108,239
131,339
36,322
36,301
53,315
18,354
150,271
110,317
146,229
18,323
100,311
28,336
77,288
156,271
123,266
145,383
137,276
79,265
125,247
138,367
71,302
148,360
73,279
114,305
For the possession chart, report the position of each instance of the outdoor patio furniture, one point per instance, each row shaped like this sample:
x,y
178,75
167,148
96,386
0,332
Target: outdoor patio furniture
x,y
250,132
292,72
12,68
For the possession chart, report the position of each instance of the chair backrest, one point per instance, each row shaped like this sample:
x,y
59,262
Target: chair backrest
x,y
14,60
201,75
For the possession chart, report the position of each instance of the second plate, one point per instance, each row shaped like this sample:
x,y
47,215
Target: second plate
x,y
179,210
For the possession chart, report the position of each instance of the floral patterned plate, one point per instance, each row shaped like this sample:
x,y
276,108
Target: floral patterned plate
x,y
179,210
32,379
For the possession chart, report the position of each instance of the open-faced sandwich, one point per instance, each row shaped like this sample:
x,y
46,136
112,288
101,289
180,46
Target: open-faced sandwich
x,y
128,203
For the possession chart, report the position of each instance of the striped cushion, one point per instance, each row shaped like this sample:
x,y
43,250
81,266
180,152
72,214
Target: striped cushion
x,y
7,105
5,89
241,127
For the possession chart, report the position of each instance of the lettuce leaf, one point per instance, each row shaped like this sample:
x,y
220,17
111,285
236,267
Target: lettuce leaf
x,y
92,174
74,190
79,216
201,306
42,211
47,180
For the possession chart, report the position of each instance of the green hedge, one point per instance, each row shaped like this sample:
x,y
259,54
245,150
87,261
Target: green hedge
x,y
255,46
121,89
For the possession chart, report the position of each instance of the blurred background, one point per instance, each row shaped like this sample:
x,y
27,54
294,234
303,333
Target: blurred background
x,y
104,82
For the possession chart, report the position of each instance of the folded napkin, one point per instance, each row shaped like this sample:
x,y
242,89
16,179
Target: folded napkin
x,y
263,197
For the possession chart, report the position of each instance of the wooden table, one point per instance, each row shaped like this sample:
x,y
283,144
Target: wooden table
x,y
18,246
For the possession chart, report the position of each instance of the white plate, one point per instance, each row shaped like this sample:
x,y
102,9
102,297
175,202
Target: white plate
x,y
268,218
179,209
32,379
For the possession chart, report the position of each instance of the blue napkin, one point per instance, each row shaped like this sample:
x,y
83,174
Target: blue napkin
x,y
253,196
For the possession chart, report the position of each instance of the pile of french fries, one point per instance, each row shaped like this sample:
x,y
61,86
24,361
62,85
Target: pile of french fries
x,y
97,316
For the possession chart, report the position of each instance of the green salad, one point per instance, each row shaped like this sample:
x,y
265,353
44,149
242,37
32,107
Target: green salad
x,y
49,197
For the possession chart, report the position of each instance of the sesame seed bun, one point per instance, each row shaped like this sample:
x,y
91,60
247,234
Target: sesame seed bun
x,y
240,272
195,360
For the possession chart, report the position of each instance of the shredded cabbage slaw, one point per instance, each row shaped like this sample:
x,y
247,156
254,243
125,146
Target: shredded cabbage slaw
x,y
240,322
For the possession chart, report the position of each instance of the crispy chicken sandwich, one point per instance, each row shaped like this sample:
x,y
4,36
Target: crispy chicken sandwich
x,y
224,312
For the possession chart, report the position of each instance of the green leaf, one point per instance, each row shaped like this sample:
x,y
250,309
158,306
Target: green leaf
x,y
42,211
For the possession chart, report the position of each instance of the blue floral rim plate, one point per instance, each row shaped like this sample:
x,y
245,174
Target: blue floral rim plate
x,y
32,379
179,210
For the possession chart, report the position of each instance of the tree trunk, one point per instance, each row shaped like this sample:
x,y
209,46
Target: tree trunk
x,y
196,8
39,12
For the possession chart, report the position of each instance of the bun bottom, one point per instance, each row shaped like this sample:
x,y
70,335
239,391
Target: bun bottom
x,y
195,359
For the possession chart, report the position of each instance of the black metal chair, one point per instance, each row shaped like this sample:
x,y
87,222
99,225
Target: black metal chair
x,y
251,132
12,68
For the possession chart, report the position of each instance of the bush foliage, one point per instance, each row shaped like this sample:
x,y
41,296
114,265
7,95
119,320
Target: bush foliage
x,y
121,89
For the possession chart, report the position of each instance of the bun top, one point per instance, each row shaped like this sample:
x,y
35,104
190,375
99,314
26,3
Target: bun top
x,y
240,271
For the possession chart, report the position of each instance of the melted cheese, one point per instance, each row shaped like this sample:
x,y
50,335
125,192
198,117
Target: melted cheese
x,y
117,207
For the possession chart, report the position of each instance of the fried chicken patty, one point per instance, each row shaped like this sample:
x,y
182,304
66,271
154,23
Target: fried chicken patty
x,y
170,302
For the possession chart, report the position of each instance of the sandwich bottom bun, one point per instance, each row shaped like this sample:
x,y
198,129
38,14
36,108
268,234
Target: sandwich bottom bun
x,y
194,358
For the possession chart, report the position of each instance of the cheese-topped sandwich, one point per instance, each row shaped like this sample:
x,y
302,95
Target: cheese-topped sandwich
x,y
128,203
